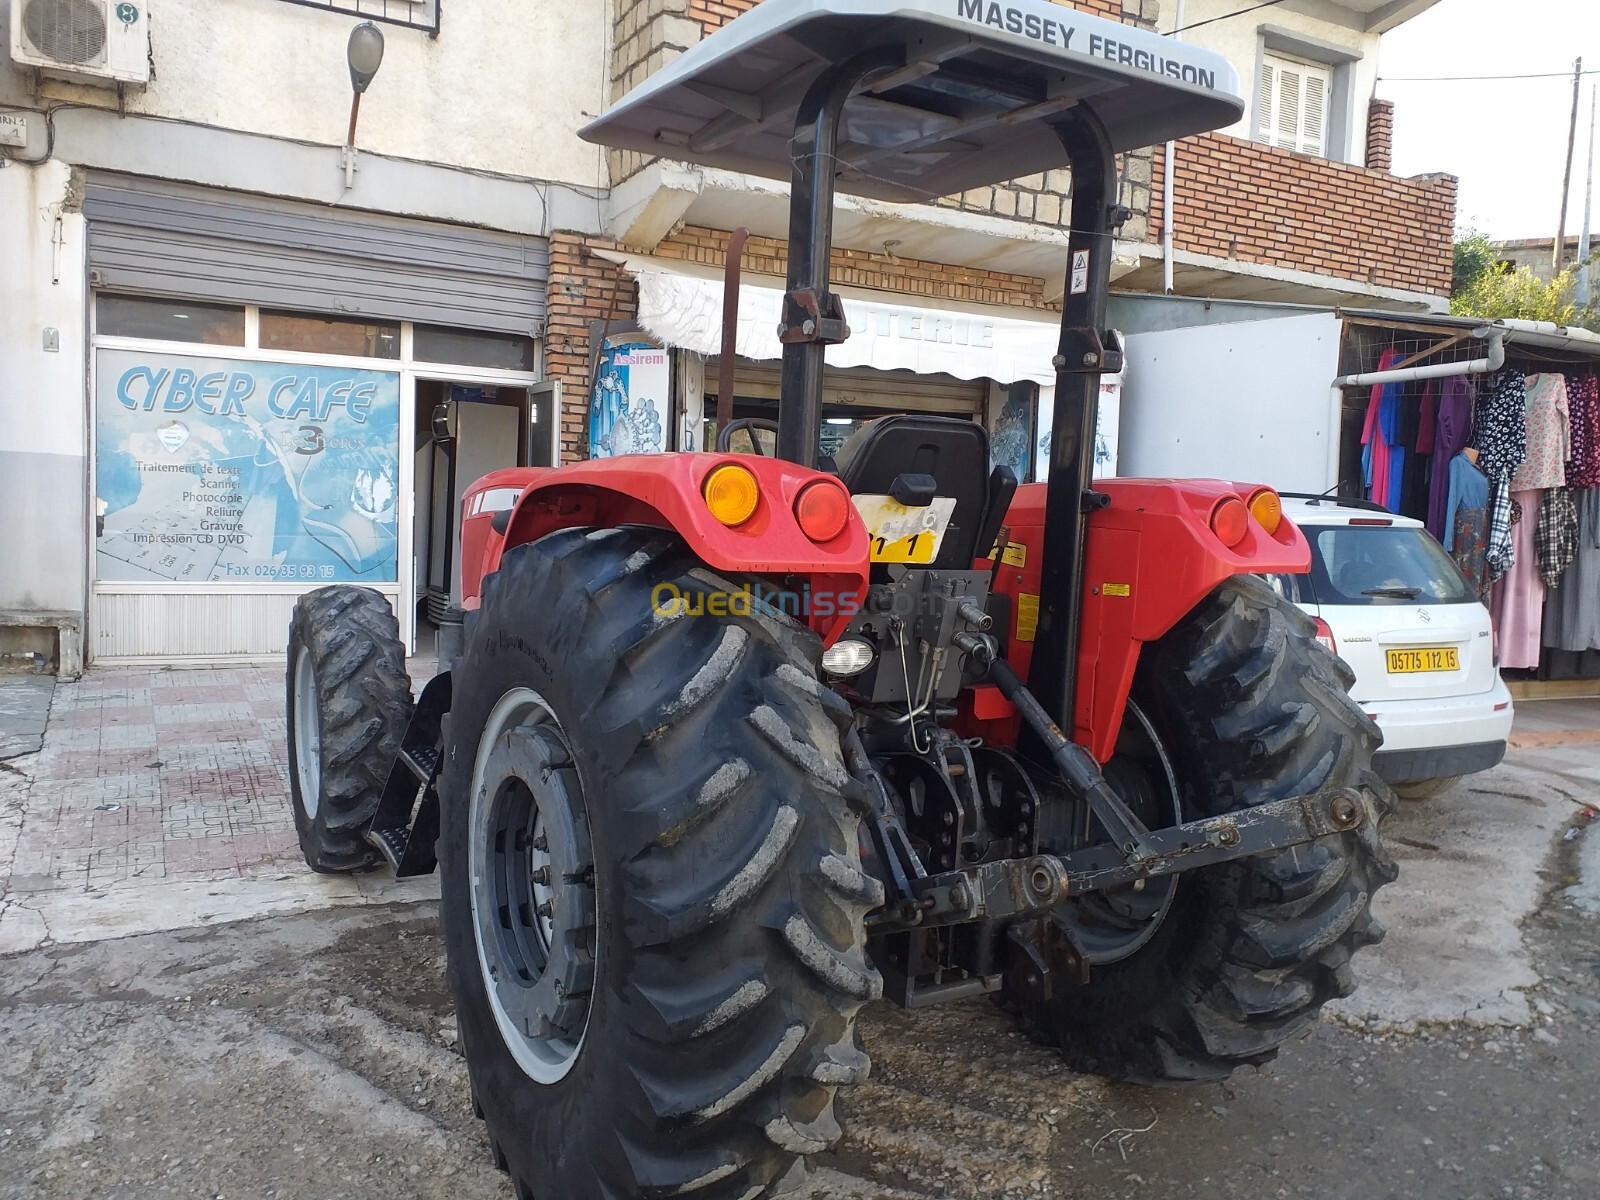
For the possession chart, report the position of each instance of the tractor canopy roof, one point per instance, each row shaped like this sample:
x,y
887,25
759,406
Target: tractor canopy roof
x,y
969,107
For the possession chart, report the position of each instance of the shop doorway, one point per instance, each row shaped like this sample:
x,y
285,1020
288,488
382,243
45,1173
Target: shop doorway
x,y
463,431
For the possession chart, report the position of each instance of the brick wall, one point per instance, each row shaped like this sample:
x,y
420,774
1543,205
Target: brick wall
x,y
1380,134
714,14
859,268
1237,199
584,288
645,36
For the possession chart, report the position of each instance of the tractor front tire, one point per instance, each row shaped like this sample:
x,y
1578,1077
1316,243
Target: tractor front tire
x,y
348,704
652,895
1251,709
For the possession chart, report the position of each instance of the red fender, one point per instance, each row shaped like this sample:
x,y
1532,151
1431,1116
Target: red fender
x,y
826,580
1151,558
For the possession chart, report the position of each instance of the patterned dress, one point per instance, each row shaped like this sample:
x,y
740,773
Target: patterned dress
x,y
1583,411
1500,435
1549,436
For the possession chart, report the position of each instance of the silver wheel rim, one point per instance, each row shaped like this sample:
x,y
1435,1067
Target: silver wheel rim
x,y
307,732
540,1007
1094,917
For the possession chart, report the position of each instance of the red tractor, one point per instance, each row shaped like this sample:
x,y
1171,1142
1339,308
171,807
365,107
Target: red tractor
x,y
736,744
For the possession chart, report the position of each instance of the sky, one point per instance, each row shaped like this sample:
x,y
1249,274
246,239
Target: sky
x,y
1505,139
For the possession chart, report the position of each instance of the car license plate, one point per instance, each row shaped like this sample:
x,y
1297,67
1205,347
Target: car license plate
x,y
901,534
1415,660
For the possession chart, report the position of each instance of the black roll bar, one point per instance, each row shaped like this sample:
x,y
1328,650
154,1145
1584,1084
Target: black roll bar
x,y
813,318
1082,355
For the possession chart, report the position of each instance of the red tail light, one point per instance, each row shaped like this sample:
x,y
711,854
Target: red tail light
x,y
1230,520
1325,635
822,510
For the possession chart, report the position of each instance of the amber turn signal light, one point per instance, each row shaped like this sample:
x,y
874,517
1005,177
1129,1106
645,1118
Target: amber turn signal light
x,y
1229,520
731,494
1266,508
822,509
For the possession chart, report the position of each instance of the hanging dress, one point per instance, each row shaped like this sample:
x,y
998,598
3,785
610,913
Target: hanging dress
x,y
1549,437
1467,522
1378,434
1572,618
1500,435
1452,427
1583,412
1518,599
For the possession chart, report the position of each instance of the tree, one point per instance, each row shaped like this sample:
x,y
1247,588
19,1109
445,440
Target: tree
x,y
1520,294
1475,257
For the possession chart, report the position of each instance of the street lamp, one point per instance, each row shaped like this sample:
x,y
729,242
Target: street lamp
x,y
364,54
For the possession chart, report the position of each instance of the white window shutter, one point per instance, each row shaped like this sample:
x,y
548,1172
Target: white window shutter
x,y
1313,122
1293,105
1288,108
1265,102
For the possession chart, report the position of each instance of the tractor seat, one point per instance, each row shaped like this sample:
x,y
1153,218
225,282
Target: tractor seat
x,y
954,452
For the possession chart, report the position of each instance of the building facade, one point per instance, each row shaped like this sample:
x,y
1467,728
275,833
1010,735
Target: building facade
x,y
223,336
241,360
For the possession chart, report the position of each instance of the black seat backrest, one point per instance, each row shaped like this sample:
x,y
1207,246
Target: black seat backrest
x,y
954,452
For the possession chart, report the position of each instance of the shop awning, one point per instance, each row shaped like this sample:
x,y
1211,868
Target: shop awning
x,y
684,309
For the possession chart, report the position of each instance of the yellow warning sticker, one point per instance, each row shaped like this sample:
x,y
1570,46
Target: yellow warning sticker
x,y
1117,589
1027,616
1014,555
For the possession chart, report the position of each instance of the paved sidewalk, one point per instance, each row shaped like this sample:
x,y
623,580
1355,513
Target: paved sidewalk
x,y
159,799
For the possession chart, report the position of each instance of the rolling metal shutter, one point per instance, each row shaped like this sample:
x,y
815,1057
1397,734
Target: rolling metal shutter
x,y
152,236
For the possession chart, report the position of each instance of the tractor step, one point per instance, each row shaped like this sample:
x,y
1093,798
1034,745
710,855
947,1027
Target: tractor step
x,y
391,843
406,823
423,761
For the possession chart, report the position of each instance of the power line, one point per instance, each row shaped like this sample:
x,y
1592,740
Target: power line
x,y
1241,12
1474,78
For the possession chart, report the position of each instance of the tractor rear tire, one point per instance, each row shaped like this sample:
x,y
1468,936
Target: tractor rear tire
x,y
348,704
675,779
1251,709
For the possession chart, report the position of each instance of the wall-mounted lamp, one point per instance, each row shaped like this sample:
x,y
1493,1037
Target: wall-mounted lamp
x,y
364,54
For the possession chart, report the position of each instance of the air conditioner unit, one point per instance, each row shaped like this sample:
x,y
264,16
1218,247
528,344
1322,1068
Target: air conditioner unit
x,y
100,42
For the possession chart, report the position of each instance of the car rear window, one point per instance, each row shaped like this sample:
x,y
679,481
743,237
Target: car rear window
x,y
1367,564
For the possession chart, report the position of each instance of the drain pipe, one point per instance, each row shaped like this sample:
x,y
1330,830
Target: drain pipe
x,y
1493,359
1168,170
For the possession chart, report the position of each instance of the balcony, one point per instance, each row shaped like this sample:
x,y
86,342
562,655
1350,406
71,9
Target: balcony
x,y
1251,221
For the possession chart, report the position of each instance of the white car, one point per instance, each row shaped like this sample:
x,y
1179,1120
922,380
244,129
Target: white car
x,y
1390,602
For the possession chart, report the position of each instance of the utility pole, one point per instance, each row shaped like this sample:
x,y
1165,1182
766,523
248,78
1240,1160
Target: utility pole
x,y
1566,178
1581,295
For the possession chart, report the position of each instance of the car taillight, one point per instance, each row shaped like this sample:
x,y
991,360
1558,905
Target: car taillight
x,y
1325,635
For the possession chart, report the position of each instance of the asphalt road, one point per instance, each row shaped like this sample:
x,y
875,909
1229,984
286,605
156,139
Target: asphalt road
x,y
312,1057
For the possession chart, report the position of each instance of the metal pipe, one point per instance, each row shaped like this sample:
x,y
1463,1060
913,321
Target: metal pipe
x,y
1053,674
1494,358
816,138
1168,170
730,327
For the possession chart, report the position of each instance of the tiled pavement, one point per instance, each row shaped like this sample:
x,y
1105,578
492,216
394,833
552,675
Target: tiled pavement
x,y
159,798
159,775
